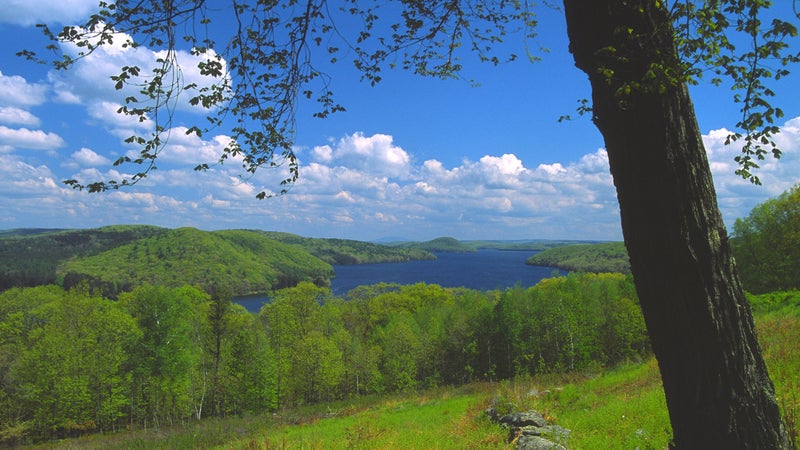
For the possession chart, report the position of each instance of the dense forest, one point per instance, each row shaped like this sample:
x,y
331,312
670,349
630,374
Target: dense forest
x,y
30,257
597,258
248,262
440,245
766,244
76,362
346,251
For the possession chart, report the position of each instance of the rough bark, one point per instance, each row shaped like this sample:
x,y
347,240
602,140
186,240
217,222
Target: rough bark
x,y
717,388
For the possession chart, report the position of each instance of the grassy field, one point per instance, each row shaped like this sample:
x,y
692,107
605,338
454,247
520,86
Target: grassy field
x,y
622,408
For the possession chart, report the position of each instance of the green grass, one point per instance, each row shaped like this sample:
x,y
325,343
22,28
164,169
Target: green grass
x,y
444,418
779,334
623,408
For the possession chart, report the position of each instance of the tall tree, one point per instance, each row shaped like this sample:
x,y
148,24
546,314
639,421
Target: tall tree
x,y
638,55
164,360
716,384
219,308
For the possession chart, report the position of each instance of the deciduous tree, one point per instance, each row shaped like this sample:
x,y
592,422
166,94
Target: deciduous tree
x,y
73,373
163,361
767,244
716,384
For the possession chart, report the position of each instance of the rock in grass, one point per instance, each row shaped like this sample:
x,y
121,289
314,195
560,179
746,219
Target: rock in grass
x,y
526,442
523,419
529,430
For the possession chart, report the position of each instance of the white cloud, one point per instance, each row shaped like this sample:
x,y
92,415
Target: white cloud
x,y
505,165
88,157
23,138
496,197
27,12
192,150
376,153
17,116
495,189
15,172
106,113
737,196
16,91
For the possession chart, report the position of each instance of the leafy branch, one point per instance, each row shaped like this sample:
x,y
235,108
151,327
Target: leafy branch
x,y
708,38
267,65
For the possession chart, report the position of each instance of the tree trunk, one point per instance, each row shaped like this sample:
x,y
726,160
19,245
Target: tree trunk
x,y
717,388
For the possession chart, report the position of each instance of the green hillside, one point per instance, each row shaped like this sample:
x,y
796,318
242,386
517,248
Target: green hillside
x,y
345,251
30,257
602,257
247,261
441,245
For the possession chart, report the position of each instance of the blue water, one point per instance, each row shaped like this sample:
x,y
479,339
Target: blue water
x,y
482,270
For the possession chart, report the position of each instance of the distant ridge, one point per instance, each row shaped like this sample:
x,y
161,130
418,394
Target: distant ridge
x,y
29,231
391,240
441,245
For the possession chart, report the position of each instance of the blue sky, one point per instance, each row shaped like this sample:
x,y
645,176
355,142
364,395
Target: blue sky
x,y
412,157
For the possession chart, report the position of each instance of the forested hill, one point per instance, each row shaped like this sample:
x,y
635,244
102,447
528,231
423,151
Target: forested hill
x,y
249,262
118,257
440,245
345,251
597,258
30,257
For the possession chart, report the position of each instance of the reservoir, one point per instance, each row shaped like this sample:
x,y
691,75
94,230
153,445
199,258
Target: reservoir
x,y
483,270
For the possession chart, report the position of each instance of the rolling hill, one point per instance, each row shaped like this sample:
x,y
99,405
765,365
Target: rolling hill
x,y
247,261
601,257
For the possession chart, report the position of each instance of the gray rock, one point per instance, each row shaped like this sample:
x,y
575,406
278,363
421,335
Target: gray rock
x,y
553,432
529,430
523,419
526,442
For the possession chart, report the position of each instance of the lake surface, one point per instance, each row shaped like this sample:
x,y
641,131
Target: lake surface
x,y
482,270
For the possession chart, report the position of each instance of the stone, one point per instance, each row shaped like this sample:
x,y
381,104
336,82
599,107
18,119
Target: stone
x,y
529,430
523,419
526,442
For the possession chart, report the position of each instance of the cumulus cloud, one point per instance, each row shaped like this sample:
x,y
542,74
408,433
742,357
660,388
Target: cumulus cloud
x,y
23,138
16,91
493,190
17,116
737,196
189,149
376,153
124,125
88,157
340,194
26,12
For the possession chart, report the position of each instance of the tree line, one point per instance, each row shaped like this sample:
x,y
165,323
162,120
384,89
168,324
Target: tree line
x,y
74,362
